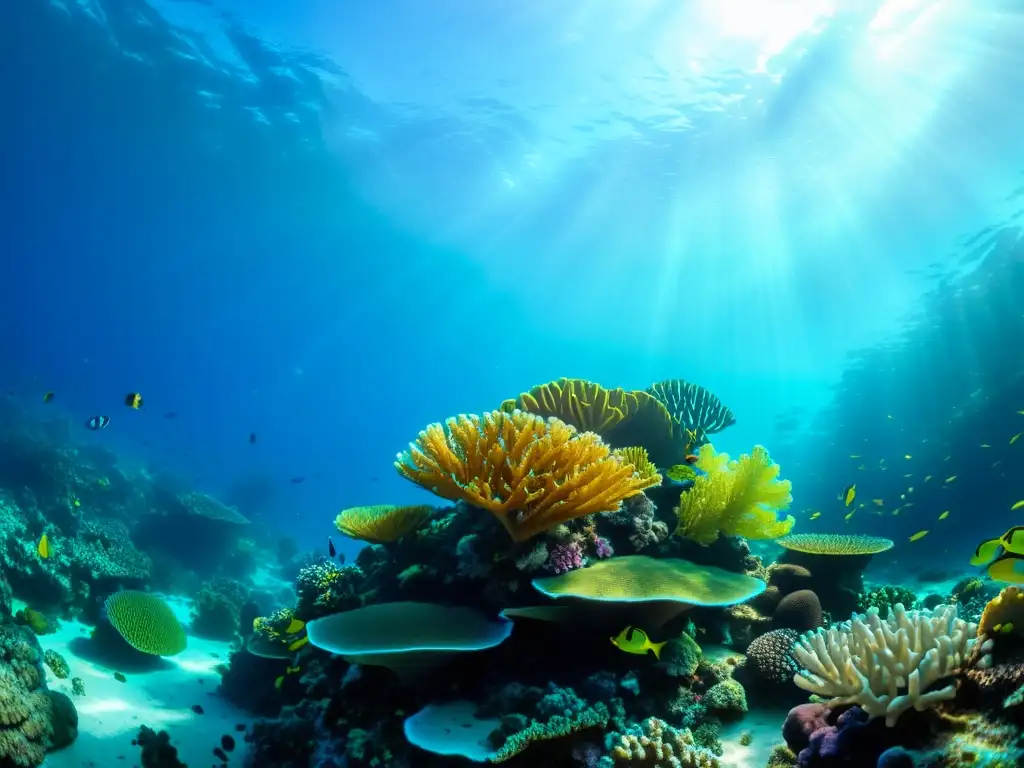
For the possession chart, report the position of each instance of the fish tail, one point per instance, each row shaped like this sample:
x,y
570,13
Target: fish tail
x,y
656,647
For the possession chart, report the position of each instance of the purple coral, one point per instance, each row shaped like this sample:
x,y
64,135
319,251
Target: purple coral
x,y
565,557
602,548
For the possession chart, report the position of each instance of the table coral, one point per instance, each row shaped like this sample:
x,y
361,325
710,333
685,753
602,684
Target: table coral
x,y
530,473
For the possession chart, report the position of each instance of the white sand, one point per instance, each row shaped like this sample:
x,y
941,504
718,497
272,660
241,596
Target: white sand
x,y
765,728
111,711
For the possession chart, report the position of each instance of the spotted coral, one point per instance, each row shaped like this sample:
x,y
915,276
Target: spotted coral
x,y
770,657
381,523
530,473
735,498
146,622
840,544
57,664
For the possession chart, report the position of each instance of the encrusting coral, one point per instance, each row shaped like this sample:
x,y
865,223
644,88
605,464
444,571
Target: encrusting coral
x,y
735,498
530,473
381,523
886,666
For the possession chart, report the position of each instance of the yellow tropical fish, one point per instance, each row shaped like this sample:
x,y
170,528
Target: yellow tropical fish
x,y
850,515
849,494
919,535
43,548
1012,541
878,502
908,474
888,415
635,640
278,682
299,643
985,445
295,626
897,511
1007,628
854,455
944,515
927,478
910,489
1015,438
1017,506
907,456
814,515
950,479
1008,568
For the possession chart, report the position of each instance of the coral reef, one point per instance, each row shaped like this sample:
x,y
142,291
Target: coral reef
x,y
381,523
217,609
146,622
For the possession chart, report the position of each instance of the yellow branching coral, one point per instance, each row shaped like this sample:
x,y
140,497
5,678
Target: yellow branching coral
x,y
381,523
641,462
530,473
735,498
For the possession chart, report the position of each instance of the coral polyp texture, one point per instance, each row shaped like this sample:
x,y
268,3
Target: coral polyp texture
x,y
735,498
641,461
381,523
841,544
529,472
146,622
886,666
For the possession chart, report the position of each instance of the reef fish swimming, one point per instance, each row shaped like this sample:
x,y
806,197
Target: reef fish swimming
x,y
97,422
133,400
849,494
634,640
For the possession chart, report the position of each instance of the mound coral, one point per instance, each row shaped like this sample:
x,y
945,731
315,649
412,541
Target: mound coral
x,y
656,743
693,407
735,498
217,609
146,622
530,473
887,666
1004,613
770,657
381,523
57,664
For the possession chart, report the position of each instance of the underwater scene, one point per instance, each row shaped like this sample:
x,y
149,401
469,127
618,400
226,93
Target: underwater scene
x,y
440,383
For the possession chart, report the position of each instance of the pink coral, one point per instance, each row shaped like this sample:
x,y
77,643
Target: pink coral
x,y
565,557
602,548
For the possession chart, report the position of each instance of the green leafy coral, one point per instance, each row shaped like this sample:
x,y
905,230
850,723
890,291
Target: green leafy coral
x,y
146,622
735,498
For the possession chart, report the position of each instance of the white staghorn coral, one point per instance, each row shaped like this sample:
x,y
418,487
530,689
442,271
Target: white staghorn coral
x,y
886,666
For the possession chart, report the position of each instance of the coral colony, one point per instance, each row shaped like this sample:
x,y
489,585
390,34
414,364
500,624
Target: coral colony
x,y
589,598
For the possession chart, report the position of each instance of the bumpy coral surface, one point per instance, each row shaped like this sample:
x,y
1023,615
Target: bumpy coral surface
x,y
146,622
530,473
656,744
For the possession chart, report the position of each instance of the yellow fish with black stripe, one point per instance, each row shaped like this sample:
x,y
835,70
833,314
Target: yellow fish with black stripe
x,y
635,640
1011,542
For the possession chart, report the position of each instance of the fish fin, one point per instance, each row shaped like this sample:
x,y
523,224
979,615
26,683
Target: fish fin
x,y
656,647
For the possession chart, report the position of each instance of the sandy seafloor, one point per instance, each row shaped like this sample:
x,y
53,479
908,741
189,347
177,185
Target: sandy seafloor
x,y
110,713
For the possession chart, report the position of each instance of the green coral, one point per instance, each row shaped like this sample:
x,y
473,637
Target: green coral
x,y
726,697
57,664
681,656
326,587
735,498
146,622
781,757
556,727
885,597
709,737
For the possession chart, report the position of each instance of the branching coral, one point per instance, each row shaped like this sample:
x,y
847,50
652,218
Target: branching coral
x,y
735,498
638,457
695,408
381,523
530,473
886,666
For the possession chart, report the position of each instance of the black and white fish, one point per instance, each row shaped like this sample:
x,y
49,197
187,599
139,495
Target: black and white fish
x,y
97,422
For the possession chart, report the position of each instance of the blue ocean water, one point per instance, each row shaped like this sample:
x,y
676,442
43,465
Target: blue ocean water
x,y
329,225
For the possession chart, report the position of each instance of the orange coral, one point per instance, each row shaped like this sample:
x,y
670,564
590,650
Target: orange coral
x,y
530,473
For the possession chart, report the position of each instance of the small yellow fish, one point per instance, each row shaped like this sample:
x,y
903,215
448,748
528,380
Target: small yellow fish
x,y
1017,506
1007,628
854,455
897,511
133,400
299,643
849,494
851,514
1008,568
985,445
878,502
1015,438
888,415
910,489
814,516
279,681
950,479
635,640
944,515
919,535
43,548
295,626
908,474
907,456
927,478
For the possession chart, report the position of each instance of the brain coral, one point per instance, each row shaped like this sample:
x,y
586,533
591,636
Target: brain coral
x,y
800,610
146,622
770,657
